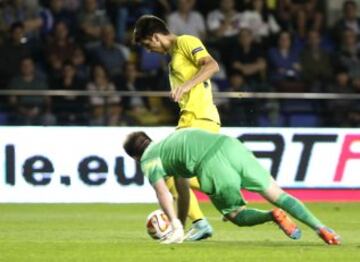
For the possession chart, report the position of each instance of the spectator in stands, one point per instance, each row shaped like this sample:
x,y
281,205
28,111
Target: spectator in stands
x,y
306,13
247,58
221,103
225,21
125,13
261,22
72,5
343,113
3,26
69,110
11,53
60,47
348,59
163,8
131,81
30,110
205,7
348,81
80,62
138,108
90,21
241,112
56,13
26,12
316,64
349,20
106,110
109,53
284,65
224,25
186,21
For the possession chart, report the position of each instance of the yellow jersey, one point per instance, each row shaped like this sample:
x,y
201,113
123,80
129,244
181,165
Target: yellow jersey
x,y
184,65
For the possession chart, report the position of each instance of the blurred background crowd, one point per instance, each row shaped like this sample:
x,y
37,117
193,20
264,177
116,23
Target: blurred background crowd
x,y
260,45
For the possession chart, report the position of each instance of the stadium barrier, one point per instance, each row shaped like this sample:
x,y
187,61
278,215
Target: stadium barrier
x,y
255,95
88,164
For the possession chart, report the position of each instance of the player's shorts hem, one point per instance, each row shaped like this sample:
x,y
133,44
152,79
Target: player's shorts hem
x,y
228,211
189,119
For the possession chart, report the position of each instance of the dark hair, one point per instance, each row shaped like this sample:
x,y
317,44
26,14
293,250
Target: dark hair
x,y
245,29
26,57
349,3
57,23
128,63
15,26
93,68
282,32
68,62
234,73
265,12
147,25
136,143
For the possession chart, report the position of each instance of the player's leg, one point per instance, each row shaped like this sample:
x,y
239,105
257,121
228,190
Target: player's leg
x,y
222,184
195,212
200,229
231,204
297,209
255,178
240,215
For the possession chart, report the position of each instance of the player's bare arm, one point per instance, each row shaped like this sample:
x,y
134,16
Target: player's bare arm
x,y
166,202
165,199
208,67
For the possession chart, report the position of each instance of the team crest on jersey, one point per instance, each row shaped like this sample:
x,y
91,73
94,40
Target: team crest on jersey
x,y
198,49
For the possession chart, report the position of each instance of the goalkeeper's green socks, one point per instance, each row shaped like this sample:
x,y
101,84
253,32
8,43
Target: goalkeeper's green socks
x,y
252,217
298,210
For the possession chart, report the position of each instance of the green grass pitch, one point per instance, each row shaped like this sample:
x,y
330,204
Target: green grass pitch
x,y
115,232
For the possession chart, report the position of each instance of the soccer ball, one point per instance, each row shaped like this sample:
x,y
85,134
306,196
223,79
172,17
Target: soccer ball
x,y
157,224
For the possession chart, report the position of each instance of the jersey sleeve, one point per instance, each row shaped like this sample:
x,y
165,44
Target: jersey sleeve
x,y
193,48
153,170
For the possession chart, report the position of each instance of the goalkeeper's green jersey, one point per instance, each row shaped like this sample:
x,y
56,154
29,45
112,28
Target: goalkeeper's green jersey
x,y
180,154
222,165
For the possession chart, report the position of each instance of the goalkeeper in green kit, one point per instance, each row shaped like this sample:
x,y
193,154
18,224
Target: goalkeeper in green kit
x,y
223,166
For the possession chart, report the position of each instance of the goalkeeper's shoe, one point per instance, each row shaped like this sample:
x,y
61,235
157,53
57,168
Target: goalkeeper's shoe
x,y
329,236
199,230
286,224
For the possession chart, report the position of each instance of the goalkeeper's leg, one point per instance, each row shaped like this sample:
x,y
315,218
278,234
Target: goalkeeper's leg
x,y
298,210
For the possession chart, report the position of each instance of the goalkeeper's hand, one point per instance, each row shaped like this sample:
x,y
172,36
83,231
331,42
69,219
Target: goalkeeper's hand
x,y
176,234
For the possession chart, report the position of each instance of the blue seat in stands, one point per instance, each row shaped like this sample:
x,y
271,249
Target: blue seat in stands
x,y
264,121
303,120
3,119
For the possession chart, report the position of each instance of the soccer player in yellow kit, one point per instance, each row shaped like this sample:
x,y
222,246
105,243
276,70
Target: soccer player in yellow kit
x,y
190,70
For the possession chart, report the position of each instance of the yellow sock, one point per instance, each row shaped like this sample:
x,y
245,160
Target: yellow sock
x,y
195,212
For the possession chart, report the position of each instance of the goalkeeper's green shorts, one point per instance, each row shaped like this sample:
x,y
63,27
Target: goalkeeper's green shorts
x,y
228,169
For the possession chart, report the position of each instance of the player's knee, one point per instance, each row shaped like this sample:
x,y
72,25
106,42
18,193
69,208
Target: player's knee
x,y
272,193
232,215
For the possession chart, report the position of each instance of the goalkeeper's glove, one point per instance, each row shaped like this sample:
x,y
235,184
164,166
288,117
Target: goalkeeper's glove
x,y
176,235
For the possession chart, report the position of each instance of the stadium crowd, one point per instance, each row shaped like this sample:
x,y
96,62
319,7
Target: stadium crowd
x,y
260,45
